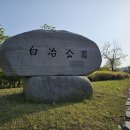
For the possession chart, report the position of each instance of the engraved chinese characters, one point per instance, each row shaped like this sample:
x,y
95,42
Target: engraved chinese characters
x,y
33,51
42,52
69,53
53,51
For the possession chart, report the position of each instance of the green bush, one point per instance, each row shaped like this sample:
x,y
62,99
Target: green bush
x,y
105,68
9,81
107,75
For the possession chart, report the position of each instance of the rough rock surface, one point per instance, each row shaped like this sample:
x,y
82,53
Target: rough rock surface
x,y
41,52
57,88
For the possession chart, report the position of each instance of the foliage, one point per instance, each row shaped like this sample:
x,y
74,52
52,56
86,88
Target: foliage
x,y
2,35
103,112
107,75
104,68
48,27
129,69
9,82
113,55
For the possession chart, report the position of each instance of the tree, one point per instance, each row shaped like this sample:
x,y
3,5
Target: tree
x,y
48,27
129,69
113,54
3,37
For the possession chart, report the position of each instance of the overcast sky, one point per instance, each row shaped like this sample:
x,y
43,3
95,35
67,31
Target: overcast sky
x,y
99,20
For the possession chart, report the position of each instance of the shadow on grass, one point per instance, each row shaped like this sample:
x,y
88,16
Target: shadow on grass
x,y
13,106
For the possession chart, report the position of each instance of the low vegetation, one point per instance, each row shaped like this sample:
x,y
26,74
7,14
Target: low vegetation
x,y
107,75
9,81
103,112
101,75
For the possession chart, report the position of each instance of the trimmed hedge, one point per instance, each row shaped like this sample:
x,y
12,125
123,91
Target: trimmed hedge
x,y
107,75
9,81
14,82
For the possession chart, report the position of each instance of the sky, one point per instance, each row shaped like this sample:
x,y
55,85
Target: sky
x,y
99,20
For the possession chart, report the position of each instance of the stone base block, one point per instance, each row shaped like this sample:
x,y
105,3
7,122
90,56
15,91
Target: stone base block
x,y
57,88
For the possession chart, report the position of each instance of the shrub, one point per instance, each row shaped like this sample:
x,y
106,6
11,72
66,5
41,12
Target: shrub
x,y
104,68
9,82
107,75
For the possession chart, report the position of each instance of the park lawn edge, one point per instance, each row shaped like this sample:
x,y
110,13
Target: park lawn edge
x,y
103,112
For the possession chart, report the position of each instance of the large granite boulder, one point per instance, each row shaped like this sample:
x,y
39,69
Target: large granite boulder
x,y
57,88
41,52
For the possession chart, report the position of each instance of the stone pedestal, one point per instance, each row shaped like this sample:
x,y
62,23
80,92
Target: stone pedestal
x,y
57,88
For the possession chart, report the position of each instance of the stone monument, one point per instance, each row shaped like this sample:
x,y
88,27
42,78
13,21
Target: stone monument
x,y
53,63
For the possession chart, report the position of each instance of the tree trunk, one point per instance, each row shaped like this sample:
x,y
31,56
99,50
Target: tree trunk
x,y
112,67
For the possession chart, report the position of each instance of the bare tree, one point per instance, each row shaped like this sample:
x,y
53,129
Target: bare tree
x,y
113,54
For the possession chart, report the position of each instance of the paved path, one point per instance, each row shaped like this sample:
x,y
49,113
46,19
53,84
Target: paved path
x,y
127,114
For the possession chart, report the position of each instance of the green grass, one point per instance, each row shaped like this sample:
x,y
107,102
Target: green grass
x,y
103,112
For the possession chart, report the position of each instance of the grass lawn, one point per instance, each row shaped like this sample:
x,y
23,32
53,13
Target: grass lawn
x,y
103,112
